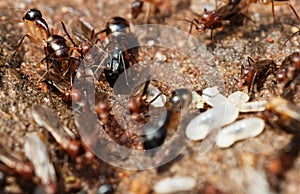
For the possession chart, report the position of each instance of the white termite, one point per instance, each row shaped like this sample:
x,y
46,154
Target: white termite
x,y
175,184
249,127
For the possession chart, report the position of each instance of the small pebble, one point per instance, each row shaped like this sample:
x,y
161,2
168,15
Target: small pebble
x,y
175,184
197,101
106,189
160,57
249,127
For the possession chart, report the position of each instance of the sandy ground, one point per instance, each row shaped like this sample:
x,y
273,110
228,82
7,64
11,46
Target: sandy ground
x,y
218,171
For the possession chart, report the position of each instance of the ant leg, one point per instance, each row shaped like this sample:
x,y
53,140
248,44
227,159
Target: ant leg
x,y
191,27
147,15
294,34
211,34
21,41
298,32
298,17
250,61
251,87
124,66
61,24
273,11
101,62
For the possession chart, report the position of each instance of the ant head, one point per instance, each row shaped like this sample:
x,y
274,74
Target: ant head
x,y
32,15
201,27
246,76
117,24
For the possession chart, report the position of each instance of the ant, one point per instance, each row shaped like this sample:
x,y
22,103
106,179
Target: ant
x,y
288,75
119,55
215,18
256,74
46,118
58,52
222,15
208,20
39,164
140,101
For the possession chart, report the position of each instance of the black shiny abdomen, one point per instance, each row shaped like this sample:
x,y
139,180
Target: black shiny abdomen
x,y
57,47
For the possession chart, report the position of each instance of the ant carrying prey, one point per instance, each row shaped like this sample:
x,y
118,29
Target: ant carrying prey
x,y
61,66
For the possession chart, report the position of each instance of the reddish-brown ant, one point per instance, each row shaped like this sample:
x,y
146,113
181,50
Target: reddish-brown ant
x,y
215,18
222,15
55,46
58,52
140,101
208,20
288,75
256,74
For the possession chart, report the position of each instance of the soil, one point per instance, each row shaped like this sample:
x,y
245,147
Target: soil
x,y
217,171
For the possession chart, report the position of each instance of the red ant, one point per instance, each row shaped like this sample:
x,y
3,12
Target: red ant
x,y
55,46
61,66
208,20
58,53
256,74
221,16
